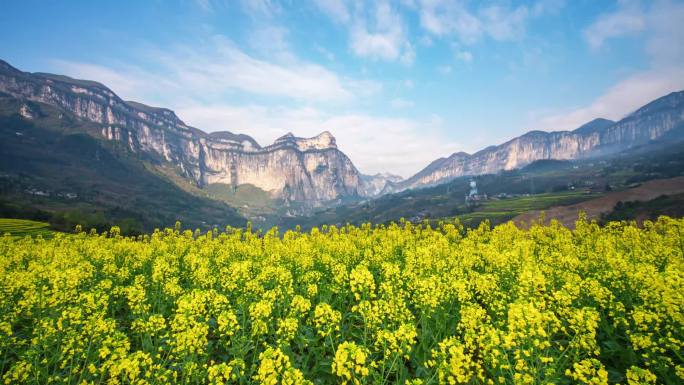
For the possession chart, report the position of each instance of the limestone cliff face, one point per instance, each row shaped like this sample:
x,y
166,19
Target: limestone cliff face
x,y
598,137
296,169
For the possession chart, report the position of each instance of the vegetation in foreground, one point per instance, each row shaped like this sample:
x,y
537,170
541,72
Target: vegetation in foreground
x,y
353,305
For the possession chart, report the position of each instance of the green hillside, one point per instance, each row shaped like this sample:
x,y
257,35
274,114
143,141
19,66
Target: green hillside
x,y
53,168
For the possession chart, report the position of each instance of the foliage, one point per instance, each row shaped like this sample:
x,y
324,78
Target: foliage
x,y
392,304
671,205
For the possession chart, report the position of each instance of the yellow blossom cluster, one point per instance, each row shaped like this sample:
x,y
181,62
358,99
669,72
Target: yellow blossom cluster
x,y
402,303
350,363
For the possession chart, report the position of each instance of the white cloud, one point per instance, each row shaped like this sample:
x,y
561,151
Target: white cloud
x,y
260,8
374,144
218,67
374,45
335,9
376,33
665,43
620,100
381,38
193,80
629,19
271,41
127,81
505,24
441,18
547,7
664,32
410,4
445,18
409,54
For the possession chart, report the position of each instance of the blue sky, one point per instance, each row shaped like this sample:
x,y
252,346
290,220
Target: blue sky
x,y
398,83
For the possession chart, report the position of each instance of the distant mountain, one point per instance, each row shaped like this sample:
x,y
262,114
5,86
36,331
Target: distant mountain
x,y
306,170
376,184
596,125
540,185
660,119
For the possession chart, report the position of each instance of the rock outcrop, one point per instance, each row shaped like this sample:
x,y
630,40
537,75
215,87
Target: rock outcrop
x,y
311,170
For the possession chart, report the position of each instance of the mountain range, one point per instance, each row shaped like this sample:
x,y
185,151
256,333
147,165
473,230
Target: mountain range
x,y
295,169
292,172
599,137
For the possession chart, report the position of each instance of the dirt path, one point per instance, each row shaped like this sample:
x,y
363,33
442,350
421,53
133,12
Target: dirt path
x,y
595,207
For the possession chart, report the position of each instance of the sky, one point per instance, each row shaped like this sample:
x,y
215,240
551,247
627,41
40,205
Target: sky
x,y
398,83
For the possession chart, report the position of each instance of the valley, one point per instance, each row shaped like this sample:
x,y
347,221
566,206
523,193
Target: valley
x,y
538,186
342,192
74,152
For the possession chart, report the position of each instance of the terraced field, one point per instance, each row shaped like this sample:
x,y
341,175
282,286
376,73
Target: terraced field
x,y
499,211
23,227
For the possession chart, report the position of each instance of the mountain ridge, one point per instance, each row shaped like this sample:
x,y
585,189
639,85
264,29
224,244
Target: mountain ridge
x,y
310,170
313,170
597,137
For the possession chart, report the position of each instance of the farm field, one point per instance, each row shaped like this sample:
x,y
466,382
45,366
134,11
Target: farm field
x,y
23,227
594,208
499,211
395,304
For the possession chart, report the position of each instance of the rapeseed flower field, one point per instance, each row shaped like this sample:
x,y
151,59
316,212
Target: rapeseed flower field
x,y
396,304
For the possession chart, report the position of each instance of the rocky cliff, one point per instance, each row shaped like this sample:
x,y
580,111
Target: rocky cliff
x,y
656,120
309,170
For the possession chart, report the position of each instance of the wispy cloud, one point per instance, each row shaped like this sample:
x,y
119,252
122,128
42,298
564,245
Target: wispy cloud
x,y
445,18
628,19
442,18
271,41
217,66
260,8
335,9
200,81
660,24
620,100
